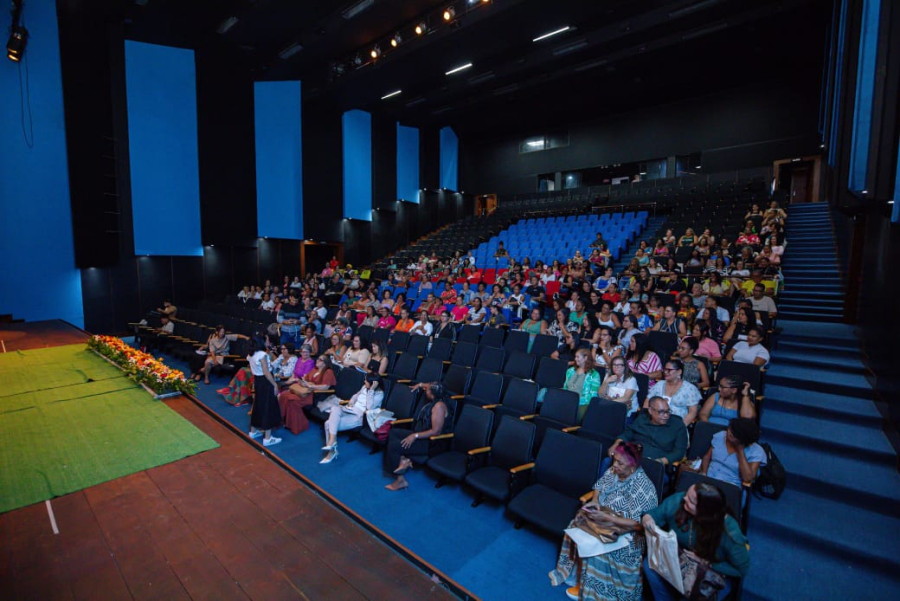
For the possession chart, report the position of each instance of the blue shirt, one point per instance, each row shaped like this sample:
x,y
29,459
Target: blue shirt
x,y
292,312
725,467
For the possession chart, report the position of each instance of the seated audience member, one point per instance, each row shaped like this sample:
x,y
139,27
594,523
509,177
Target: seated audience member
x,y
706,346
387,300
734,455
683,397
763,303
283,366
218,345
496,318
747,238
730,401
743,320
310,339
300,394
168,309
405,323
466,293
751,350
712,304
386,321
448,295
582,379
671,323
629,329
605,316
534,325
626,491
434,418
604,348
701,523
422,327
399,304
336,350
612,293
695,371
598,241
349,416
620,385
357,355
688,239
477,314
756,277
664,439
378,360
267,303
566,333
642,360
602,283
459,311
371,319
445,327
671,284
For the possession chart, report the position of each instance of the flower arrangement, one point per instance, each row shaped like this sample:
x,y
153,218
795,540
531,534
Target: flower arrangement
x,y
141,367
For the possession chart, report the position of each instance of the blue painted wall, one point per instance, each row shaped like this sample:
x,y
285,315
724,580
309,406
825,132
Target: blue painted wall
x,y
38,278
408,163
161,89
449,158
357,140
279,159
865,91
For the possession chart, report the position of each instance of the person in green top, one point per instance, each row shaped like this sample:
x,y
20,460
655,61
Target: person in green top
x,y
583,379
702,524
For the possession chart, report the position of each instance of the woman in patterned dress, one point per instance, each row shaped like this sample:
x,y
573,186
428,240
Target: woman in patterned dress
x,y
627,490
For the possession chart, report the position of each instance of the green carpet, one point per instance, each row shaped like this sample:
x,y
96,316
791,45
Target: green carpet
x,y
70,420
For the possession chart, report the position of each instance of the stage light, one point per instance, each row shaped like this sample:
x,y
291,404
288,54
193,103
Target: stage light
x,y
396,40
376,52
458,69
449,13
421,28
15,46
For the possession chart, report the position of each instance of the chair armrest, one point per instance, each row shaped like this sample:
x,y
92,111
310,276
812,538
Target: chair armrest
x,y
494,406
447,363
403,381
407,420
457,397
440,436
528,417
571,429
328,391
586,497
521,468
480,450
343,402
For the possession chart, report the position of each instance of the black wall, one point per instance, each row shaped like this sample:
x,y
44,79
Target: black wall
x,y
734,129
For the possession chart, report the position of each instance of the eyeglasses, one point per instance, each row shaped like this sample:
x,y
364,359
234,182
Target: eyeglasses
x,y
663,411
669,369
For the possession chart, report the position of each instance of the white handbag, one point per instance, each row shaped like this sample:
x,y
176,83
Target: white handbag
x,y
662,555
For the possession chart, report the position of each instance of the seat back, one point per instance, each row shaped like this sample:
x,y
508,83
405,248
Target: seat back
x,y
701,439
521,395
349,381
399,342
643,383
656,472
418,345
516,340
405,367
513,443
544,345
469,333
604,419
492,337
486,387
473,430
441,348
519,365
663,344
402,401
456,380
490,359
732,493
551,373
431,370
465,354
749,372
556,467
365,333
560,406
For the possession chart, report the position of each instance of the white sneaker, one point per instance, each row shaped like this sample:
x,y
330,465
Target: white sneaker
x,y
255,434
270,441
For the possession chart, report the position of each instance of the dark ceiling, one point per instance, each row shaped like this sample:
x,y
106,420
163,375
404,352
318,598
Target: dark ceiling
x,y
617,56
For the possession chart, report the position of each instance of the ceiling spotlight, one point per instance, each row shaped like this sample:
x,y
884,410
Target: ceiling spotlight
x,y
15,46
449,13
357,61
458,69
421,28
396,40
376,52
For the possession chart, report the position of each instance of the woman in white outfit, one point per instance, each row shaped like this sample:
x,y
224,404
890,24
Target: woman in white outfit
x,y
351,415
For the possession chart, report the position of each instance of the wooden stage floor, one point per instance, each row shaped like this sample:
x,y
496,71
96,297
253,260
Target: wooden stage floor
x,y
225,524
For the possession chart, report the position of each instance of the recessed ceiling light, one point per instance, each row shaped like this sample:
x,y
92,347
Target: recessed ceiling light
x,y
394,93
551,33
458,69
376,52
449,13
421,28
396,40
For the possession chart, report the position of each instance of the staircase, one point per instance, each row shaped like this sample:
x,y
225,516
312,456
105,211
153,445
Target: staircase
x,y
812,284
625,257
836,525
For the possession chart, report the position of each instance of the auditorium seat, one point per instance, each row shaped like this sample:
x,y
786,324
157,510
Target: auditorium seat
x,y
512,445
473,431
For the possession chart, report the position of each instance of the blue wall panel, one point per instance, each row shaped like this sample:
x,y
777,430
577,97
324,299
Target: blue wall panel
x,y
38,278
357,138
407,163
161,89
279,159
449,158
865,91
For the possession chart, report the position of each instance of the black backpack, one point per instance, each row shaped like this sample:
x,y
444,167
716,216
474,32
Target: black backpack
x,y
772,476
